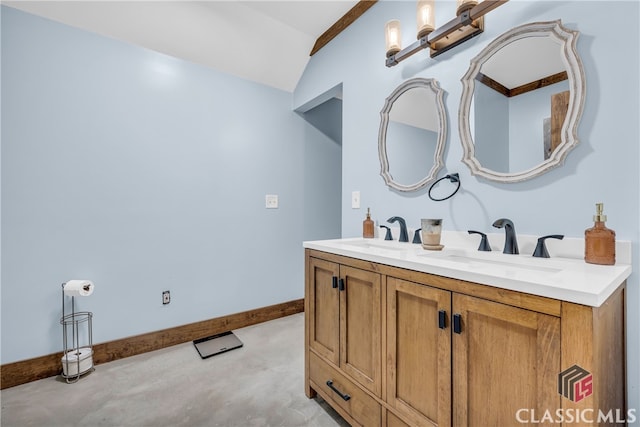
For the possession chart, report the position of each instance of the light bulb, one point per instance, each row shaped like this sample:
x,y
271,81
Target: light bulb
x,y
393,37
426,17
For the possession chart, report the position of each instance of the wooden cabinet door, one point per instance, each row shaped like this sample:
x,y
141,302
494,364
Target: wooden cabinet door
x,y
360,326
393,421
324,305
419,352
504,359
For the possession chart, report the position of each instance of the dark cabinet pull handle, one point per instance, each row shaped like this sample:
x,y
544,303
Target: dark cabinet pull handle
x,y
344,397
341,287
457,323
334,282
442,319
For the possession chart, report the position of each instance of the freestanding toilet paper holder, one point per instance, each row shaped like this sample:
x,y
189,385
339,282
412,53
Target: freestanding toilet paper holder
x,y
77,339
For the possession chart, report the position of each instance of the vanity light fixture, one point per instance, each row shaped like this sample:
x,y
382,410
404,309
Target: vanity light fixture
x,y
468,23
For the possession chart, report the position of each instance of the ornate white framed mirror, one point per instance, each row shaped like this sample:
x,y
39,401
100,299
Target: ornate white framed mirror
x,y
521,104
413,132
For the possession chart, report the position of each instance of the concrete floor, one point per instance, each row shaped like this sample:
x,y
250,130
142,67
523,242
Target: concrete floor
x,y
260,384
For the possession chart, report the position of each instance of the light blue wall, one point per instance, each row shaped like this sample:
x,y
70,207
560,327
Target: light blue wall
x,y
603,167
142,173
421,143
529,134
491,128
508,132
327,118
323,170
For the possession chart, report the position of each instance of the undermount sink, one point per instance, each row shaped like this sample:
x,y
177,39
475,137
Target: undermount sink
x,y
380,244
479,259
476,260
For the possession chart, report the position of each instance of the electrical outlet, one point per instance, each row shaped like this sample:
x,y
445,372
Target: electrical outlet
x,y
355,200
166,297
271,201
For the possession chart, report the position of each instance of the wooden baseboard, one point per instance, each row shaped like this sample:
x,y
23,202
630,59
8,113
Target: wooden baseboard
x,y
22,372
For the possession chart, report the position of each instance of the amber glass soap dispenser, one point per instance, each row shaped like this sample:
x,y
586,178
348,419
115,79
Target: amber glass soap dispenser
x,y
367,226
599,241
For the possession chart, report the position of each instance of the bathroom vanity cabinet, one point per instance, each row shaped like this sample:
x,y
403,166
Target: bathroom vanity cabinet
x,y
345,325
391,346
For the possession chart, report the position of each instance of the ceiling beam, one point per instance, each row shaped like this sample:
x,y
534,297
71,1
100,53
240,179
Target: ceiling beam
x,y
528,87
341,24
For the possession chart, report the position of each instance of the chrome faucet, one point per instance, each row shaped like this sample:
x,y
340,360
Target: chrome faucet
x,y
510,242
404,237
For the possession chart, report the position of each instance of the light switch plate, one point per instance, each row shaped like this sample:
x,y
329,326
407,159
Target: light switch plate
x,y
355,200
271,201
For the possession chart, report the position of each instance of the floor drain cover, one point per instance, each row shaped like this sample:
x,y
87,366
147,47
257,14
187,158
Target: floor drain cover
x,y
216,344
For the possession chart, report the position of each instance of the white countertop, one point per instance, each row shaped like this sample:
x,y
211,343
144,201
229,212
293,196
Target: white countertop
x,y
559,277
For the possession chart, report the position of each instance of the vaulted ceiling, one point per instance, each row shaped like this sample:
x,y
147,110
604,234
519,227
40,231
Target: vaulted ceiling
x,y
265,41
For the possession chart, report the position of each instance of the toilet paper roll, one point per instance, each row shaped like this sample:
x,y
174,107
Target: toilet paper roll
x,y
78,288
81,354
76,362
